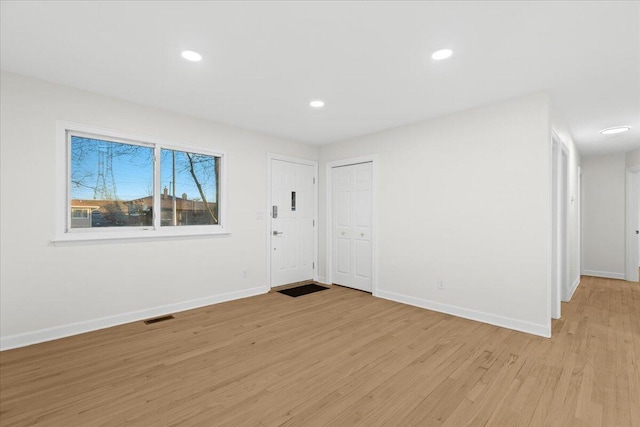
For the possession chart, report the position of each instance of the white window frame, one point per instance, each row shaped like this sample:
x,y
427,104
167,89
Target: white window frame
x,y
64,232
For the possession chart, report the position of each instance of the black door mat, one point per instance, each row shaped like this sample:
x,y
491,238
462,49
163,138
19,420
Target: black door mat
x,y
303,290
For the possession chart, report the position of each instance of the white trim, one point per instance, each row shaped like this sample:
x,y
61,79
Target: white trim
x,y
632,183
270,158
560,168
479,316
322,279
574,286
131,236
57,332
580,222
553,310
62,234
605,274
565,160
369,158
290,159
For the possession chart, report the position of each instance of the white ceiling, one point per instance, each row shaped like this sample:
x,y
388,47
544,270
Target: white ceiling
x,y
370,61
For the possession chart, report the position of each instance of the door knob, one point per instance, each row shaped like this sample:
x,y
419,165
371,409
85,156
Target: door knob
x,y
275,233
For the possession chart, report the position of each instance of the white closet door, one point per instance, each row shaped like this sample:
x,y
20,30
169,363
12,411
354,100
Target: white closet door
x,y
352,206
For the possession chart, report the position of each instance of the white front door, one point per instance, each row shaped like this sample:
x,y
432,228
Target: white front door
x,y
351,223
292,222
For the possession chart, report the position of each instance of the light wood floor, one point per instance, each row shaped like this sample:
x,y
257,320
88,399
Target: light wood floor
x,y
338,357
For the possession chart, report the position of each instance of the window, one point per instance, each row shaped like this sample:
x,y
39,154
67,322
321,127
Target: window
x,y
190,194
115,177
120,185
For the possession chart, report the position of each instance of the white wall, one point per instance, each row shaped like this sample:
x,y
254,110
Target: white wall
x,y
464,199
49,291
603,202
632,158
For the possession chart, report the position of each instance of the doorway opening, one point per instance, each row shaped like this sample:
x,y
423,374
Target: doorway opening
x,y
632,228
559,210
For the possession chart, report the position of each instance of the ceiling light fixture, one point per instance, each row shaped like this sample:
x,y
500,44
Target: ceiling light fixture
x,y
615,130
441,54
190,55
316,103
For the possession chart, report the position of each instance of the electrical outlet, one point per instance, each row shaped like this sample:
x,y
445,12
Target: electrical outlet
x,y
440,285
245,274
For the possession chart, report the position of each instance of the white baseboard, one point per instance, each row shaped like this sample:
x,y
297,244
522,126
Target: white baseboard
x,y
479,316
48,334
322,279
605,274
574,286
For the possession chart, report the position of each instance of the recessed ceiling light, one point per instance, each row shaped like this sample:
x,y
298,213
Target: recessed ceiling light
x,y
441,54
316,103
190,55
615,130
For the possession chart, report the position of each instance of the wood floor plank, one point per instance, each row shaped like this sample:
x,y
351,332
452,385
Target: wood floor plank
x,y
338,357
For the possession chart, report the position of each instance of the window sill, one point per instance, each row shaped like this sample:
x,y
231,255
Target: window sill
x,y
135,236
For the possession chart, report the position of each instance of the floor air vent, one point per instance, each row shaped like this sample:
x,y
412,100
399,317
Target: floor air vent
x,y
158,319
